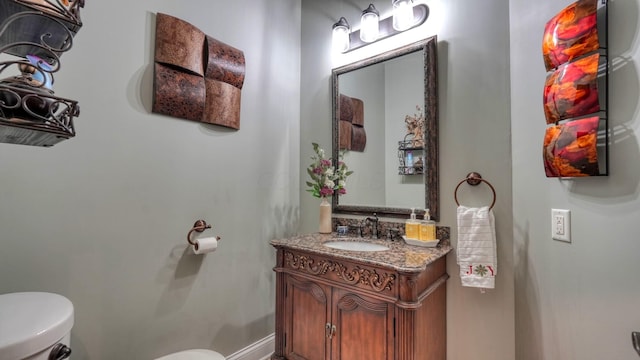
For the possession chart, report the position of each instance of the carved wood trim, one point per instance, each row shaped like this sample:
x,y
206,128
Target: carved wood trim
x,y
406,322
433,287
280,316
306,263
311,287
352,302
294,356
351,276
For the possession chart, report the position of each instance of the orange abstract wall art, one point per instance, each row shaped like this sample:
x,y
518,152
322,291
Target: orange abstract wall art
x,y
570,149
570,34
576,139
572,90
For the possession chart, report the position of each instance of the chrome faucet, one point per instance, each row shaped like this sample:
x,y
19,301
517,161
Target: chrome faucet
x,y
374,225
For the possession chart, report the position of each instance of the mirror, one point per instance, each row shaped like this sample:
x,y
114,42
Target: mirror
x,y
373,100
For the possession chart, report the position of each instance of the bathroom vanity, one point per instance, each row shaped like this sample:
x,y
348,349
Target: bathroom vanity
x,y
353,305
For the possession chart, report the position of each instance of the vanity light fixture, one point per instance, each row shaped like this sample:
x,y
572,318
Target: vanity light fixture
x,y
340,37
369,27
402,14
405,16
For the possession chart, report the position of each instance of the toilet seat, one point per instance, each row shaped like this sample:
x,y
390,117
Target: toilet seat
x,y
193,354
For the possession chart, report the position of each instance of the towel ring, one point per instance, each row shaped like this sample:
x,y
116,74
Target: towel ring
x,y
474,178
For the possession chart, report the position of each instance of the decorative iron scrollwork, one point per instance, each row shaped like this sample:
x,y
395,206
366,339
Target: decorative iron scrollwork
x,y
30,113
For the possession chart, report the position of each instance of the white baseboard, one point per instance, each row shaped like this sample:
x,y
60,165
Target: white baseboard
x,y
260,350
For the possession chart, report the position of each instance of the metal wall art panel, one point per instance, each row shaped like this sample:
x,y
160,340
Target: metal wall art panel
x,y
196,77
352,134
185,101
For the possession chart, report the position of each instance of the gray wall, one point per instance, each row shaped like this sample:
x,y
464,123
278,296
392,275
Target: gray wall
x,y
102,218
578,300
404,83
473,70
367,173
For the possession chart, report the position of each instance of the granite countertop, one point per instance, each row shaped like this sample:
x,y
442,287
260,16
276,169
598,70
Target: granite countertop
x,y
400,256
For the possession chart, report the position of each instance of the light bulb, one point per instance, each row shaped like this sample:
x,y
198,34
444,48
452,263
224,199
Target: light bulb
x,y
340,35
402,14
369,27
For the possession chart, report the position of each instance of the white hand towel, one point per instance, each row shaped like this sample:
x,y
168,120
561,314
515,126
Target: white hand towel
x,y
476,250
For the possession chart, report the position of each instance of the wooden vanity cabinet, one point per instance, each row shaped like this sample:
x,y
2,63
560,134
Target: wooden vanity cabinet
x,y
329,308
314,312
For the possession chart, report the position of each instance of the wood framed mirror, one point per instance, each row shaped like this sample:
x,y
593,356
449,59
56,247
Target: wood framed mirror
x,y
387,89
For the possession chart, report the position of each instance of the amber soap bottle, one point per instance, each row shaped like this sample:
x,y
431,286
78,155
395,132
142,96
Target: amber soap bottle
x,y
427,227
412,226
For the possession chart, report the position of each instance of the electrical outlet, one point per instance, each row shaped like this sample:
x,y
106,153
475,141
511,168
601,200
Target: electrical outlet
x,y
561,225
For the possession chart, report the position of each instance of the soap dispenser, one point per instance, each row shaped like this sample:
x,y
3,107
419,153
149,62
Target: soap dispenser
x,y
412,226
427,227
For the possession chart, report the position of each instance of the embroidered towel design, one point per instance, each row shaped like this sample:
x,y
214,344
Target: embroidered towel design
x,y
476,251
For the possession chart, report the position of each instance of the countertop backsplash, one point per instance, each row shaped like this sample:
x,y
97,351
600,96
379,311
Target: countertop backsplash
x,y
442,232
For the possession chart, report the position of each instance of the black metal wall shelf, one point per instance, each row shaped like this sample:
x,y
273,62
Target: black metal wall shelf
x,y
30,113
417,164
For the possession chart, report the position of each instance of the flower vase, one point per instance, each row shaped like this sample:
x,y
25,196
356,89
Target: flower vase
x,y
325,216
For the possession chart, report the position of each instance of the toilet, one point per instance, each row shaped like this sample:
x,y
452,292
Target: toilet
x,y
35,326
193,354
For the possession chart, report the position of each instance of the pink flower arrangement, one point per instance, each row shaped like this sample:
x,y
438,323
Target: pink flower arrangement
x,y
326,180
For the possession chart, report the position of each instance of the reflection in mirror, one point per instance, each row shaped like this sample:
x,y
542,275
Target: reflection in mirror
x,y
373,102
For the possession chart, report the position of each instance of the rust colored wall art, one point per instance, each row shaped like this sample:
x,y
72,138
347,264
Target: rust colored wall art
x,y
352,135
570,34
358,138
345,134
196,77
358,112
572,90
570,149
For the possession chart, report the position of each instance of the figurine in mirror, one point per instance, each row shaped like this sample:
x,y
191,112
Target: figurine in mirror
x,y
385,115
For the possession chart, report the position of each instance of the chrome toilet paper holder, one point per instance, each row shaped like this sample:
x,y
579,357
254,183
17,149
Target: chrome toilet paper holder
x,y
199,226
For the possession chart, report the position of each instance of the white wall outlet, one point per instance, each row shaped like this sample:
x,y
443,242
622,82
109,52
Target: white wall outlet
x,y
561,225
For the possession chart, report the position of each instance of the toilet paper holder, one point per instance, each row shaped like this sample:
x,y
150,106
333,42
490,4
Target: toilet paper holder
x,y
199,226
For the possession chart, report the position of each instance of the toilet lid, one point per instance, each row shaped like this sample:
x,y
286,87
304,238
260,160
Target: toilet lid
x,y
194,354
31,322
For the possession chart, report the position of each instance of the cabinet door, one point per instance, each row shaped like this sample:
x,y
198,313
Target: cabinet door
x,y
306,316
364,328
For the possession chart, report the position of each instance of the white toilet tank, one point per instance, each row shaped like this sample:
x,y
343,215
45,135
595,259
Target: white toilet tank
x,y
33,324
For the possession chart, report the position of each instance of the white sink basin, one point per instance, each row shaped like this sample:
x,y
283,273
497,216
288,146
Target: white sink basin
x,y
355,246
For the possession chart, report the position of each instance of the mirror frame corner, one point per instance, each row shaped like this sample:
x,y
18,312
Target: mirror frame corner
x,y
429,48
